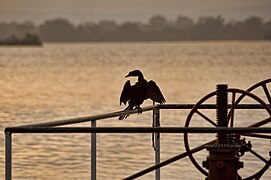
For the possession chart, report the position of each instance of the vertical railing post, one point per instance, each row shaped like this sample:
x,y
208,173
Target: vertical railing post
x,y
8,156
93,152
156,120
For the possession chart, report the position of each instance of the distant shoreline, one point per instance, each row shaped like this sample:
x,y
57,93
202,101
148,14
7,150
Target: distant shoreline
x,y
158,28
28,40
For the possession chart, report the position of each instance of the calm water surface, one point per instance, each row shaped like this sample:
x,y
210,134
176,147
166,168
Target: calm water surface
x,y
61,81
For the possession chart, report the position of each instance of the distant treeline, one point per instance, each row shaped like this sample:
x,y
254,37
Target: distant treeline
x,y
158,28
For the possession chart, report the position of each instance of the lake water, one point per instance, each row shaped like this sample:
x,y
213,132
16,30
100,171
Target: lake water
x,y
60,81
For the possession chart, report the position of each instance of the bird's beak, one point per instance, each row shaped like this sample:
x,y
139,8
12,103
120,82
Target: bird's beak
x,y
128,75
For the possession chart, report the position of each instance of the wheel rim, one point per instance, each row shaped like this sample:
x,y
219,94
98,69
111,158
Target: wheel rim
x,y
231,119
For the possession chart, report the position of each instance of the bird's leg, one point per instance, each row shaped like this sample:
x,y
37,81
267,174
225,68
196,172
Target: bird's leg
x,y
139,110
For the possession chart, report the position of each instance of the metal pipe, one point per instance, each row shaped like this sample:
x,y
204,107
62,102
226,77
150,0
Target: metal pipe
x,y
93,152
209,106
148,108
138,130
156,116
8,156
88,118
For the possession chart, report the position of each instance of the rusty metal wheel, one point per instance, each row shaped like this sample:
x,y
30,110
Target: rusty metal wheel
x,y
200,117
263,86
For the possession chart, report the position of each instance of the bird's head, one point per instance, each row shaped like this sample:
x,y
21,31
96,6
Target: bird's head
x,y
135,73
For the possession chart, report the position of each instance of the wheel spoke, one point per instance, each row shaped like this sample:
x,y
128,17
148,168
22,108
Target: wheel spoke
x,y
206,118
263,136
231,118
267,93
258,155
261,123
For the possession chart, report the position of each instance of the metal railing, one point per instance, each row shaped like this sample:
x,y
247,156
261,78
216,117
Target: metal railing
x,y
52,127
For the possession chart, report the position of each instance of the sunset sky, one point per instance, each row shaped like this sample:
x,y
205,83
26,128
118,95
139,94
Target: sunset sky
x,y
135,10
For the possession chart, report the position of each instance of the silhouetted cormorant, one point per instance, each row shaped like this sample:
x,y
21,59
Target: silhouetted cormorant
x,y
136,94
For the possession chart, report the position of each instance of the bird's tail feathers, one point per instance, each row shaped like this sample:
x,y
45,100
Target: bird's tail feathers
x,y
125,116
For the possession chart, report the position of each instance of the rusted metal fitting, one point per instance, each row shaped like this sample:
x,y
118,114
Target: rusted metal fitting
x,y
240,165
205,164
219,165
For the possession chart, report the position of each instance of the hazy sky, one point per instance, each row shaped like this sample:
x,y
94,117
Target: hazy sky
x,y
135,10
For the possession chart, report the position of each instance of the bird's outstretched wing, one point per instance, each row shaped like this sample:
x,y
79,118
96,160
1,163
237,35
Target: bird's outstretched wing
x,y
154,93
126,93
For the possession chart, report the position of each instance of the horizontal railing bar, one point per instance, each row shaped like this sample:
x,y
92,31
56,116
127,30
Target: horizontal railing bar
x,y
137,130
119,113
208,106
87,118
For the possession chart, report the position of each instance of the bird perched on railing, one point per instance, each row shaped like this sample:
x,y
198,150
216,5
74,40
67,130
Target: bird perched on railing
x,y
140,91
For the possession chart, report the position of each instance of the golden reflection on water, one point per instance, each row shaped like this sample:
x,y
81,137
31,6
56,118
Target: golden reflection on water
x,y
60,81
